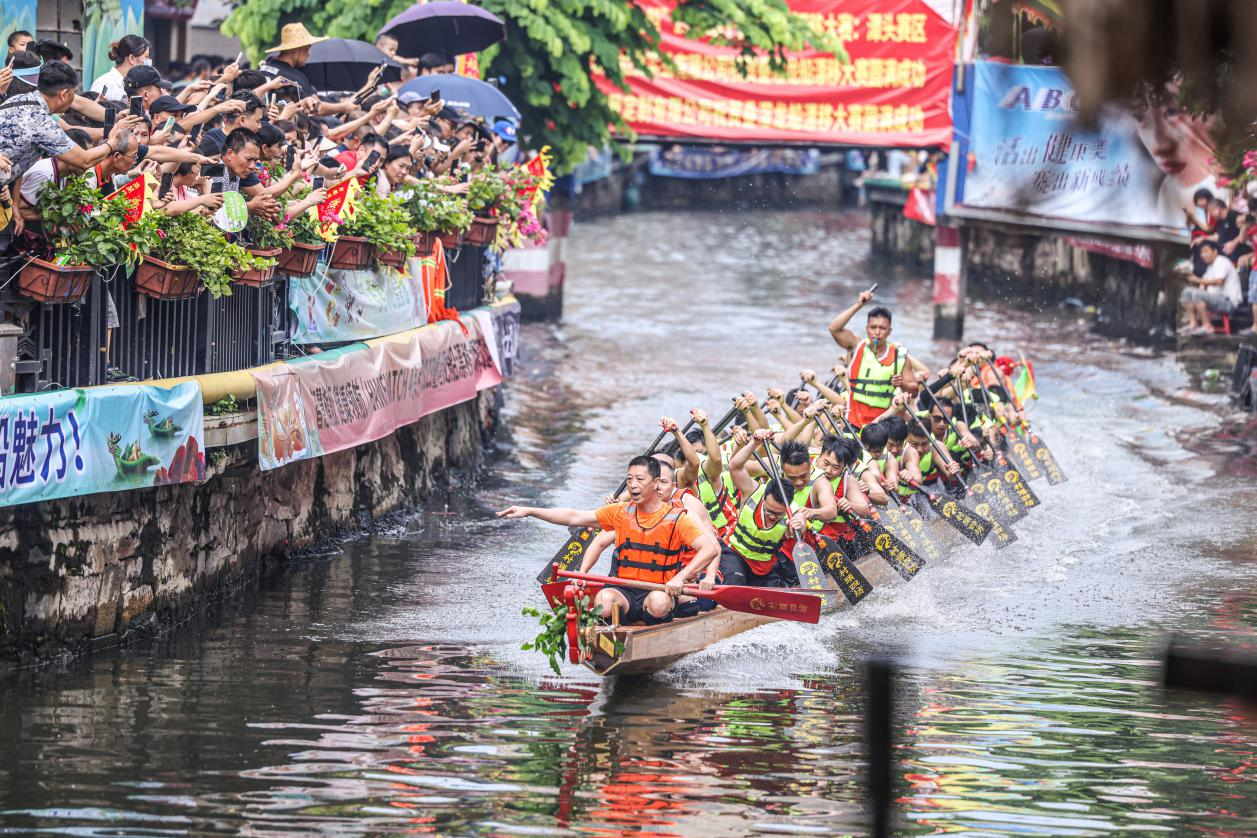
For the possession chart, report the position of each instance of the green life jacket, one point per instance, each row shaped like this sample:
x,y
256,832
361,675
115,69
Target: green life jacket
x,y
869,379
928,473
959,453
751,542
713,500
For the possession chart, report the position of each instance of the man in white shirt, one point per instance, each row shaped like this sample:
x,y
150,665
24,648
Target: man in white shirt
x,y
1217,291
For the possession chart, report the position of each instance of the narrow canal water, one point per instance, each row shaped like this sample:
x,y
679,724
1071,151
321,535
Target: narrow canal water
x,y
381,688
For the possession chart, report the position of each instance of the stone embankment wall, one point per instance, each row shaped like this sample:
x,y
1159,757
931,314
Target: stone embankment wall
x,y
90,571
893,236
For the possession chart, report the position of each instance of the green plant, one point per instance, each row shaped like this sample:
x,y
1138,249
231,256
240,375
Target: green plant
x,y
84,227
189,240
305,230
263,234
432,210
227,404
551,641
382,221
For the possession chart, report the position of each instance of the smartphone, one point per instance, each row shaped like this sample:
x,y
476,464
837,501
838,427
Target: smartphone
x,y
167,181
222,94
168,124
872,288
329,162
196,134
318,181
371,158
383,92
137,106
270,100
290,157
213,170
240,59
216,188
111,116
435,96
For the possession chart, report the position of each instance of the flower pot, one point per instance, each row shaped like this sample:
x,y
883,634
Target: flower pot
x,y
299,260
483,231
51,283
352,253
259,277
393,258
452,241
424,242
163,281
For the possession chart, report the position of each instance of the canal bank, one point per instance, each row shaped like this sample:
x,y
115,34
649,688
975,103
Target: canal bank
x,y
335,442
382,683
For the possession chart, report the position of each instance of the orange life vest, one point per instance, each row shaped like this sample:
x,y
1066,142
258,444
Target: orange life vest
x,y
649,555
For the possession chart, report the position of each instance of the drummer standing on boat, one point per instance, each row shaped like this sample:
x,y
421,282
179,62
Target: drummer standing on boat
x,y
878,367
651,538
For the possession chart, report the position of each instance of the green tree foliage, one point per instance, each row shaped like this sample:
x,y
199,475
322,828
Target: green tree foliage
x,y
553,46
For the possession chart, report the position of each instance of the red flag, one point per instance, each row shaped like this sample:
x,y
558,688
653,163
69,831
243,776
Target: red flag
x,y
135,194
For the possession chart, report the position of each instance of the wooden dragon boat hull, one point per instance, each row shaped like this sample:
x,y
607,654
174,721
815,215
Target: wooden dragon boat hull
x,y
647,649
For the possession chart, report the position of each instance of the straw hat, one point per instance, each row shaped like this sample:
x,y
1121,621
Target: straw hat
x,y
294,36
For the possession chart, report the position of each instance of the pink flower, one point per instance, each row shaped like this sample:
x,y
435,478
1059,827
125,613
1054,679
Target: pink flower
x,y
161,234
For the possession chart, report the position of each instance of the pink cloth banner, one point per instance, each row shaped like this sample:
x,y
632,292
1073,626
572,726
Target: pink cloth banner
x,y
312,408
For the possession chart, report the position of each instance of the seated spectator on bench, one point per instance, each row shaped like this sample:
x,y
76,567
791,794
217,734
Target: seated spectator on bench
x,y
1217,291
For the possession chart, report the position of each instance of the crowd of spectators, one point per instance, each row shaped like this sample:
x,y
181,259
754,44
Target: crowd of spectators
x,y
1223,236
211,127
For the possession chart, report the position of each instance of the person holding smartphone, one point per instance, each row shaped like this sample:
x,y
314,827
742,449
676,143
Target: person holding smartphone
x,y
143,82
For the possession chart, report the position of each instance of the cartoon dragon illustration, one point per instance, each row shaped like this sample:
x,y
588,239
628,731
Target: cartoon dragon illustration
x,y
165,427
130,462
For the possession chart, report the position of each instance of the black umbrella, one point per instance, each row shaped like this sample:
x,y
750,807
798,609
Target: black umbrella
x,y
447,27
344,64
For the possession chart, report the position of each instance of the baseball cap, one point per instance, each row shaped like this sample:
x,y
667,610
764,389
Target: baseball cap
x,y
505,129
410,97
141,76
169,104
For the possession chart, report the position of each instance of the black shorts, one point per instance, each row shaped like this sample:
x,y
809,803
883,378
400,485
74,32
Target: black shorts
x,y
694,608
637,612
735,571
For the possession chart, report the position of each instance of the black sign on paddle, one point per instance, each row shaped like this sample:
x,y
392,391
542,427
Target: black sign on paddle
x,y
1001,536
905,562
1047,461
965,521
1020,451
568,557
1020,490
849,579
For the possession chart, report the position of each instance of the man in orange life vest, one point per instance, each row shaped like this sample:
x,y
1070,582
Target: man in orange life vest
x,y
877,366
651,538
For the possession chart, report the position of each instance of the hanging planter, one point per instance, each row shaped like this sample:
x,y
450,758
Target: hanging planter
x,y
49,283
352,253
396,259
164,281
299,260
452,240
483,231
424,242
257,277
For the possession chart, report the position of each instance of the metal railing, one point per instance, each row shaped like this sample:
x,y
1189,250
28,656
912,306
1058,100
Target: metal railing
x,y
68,344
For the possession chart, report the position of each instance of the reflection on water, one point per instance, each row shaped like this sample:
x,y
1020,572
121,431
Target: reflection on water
x,y
381,689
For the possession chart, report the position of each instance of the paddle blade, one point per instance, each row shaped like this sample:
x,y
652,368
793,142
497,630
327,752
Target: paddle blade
x,y
844,573
784,605
910,527
553,591
905,562
1020,453
568,557
1001,536
1017,488
972,526
1047,461
989,489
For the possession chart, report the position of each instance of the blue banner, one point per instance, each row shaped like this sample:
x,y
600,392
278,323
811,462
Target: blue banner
x,y
1027,154
707,163
331,306
99,439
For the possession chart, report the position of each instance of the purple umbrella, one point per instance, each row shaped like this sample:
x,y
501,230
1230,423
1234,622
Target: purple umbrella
x,y
447,27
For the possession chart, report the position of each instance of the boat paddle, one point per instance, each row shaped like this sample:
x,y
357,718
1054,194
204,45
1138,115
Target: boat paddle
x,y
1038,447
809,570
889,546
765,602
894,516
1018,446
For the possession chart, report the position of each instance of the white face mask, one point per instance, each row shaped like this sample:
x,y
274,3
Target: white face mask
x,y
147,62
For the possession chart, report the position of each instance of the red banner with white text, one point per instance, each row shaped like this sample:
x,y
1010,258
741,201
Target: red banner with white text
x,y
893,91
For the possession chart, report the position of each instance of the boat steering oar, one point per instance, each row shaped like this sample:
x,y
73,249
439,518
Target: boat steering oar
x,y
766,602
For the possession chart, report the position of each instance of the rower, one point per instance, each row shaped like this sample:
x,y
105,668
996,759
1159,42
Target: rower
x,y
955,434
650,537
709,479
877,469
896,437
921,463
753,553
838,456
877,367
